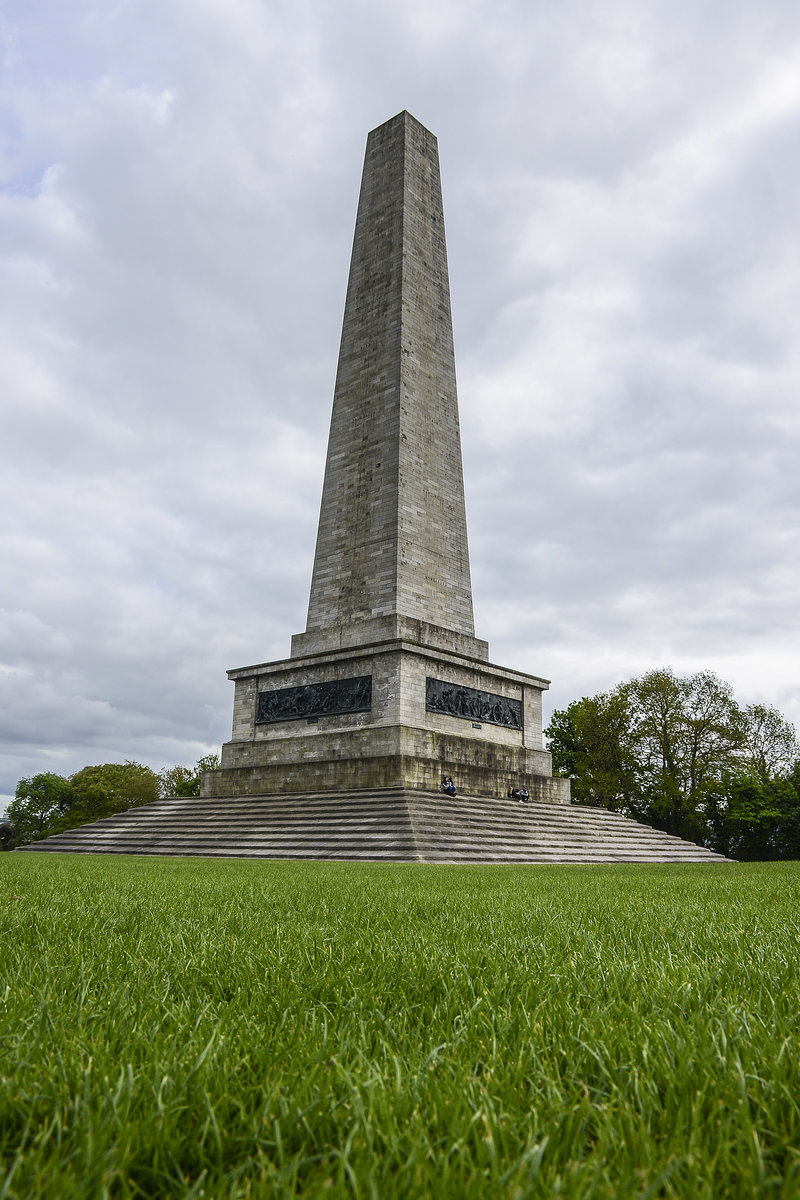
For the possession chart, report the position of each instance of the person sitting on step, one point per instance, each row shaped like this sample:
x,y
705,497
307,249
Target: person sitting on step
x,y
522,795
448,786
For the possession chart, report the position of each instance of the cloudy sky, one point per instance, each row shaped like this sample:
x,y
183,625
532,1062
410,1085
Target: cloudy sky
x,y
178,184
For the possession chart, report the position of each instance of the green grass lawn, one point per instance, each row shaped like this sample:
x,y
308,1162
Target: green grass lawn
x,y
189,1027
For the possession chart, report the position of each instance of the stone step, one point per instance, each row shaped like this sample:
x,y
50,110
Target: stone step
x,y
314,840
346,827
367,803
349,829
390,825
229,816
388,844
347,854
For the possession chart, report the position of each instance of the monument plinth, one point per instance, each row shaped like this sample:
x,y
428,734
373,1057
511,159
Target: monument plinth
x,y
388,686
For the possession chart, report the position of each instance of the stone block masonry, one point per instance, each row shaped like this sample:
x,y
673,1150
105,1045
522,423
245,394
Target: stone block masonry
x,y
398,741
392,533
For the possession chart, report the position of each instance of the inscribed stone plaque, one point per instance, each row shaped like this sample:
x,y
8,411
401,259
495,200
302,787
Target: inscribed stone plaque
x,y
457,701
315,700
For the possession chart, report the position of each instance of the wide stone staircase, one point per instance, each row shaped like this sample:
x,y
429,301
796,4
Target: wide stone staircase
x,y
389,825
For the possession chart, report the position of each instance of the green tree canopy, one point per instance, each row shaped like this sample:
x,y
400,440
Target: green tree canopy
x,y
38,802
680,753
109,788
48,803
186,781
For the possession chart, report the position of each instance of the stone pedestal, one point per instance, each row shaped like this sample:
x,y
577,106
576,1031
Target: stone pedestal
x,y
388,713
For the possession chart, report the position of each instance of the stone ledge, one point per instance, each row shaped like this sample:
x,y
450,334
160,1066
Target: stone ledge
x,y
401,757
392,627
389,646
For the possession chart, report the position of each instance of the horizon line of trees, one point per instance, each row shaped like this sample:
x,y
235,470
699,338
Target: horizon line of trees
x,y
678,752
48,803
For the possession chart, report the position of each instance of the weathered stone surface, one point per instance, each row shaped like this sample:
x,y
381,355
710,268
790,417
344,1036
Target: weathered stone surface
x,y
477,769
400,741
382,629
392,534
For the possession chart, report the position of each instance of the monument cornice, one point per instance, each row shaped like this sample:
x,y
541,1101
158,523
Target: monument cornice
x,y
389,646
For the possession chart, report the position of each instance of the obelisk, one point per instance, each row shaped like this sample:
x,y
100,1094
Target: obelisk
x,y
388,686
392,538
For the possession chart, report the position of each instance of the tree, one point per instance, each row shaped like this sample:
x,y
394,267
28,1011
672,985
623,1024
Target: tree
x,y
770,741
681,754
591,743
110,788
47,803
186,781
762,818
751,820
687,735
790,815
38,803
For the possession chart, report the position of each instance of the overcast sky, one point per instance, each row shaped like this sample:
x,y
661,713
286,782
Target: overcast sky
x,y
178,185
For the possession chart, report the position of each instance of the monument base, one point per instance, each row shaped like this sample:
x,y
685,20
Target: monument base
x,y
388,757
389,714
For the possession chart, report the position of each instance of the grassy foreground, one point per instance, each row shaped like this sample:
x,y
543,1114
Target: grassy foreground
x,y
228,1029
